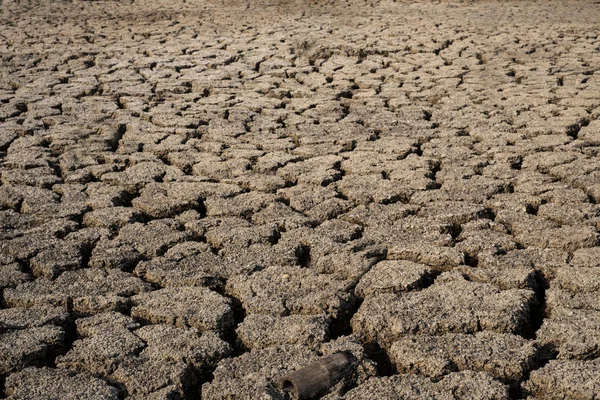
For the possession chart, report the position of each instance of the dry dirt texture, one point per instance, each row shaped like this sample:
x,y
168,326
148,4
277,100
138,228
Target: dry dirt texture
x,y
200,196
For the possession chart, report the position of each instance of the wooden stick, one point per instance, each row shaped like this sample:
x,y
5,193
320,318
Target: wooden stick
x,y
319,377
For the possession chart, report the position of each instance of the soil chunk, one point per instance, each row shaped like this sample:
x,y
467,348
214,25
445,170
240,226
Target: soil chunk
x,y
48,383
457,385
89,291
261,331
562,379
504,356
281,291
195,307
451,305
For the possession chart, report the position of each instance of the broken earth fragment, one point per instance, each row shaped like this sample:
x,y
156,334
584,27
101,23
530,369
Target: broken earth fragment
x,y
467,385
260,331
89,291
566,379
451,305
196,307
50,383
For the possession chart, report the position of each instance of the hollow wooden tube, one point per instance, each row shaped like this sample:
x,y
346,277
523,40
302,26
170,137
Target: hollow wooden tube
x,y
319,377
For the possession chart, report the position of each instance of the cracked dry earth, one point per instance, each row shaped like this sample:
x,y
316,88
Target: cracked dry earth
x,y
198,197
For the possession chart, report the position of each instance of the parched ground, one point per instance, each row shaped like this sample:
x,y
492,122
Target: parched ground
x,y
200,196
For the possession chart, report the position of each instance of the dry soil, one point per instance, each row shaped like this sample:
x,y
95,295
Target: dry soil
x,y
200,196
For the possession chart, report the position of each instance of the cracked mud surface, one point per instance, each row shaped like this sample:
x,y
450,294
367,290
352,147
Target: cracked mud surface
x,y
197,197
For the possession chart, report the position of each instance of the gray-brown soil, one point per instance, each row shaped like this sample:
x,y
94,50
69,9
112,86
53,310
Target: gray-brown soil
x,y
198,197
